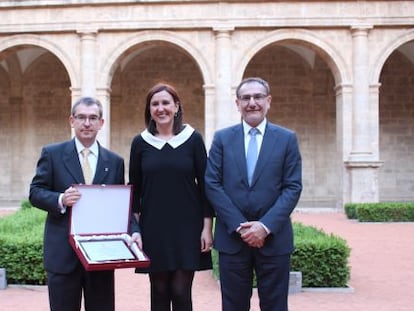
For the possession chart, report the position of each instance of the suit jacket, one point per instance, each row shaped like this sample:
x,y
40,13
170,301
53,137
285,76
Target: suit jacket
x,y
57,169
274,193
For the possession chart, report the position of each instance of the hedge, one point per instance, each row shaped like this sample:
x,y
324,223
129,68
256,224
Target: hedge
x,y
21,240
380,212
322,258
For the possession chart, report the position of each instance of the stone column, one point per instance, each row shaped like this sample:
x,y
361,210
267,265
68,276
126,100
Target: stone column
x,y
88,81
75,93
209,115
361,146
343,139
104,135
88,63
103,95
362,164
224,103
374,117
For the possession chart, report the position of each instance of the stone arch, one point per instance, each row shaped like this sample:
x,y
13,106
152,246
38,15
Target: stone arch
x,y
146,36
386,52
320,137
333,58
46,44
395,108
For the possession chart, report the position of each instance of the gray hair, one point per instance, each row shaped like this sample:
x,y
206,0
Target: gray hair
x,y
253,79
87,101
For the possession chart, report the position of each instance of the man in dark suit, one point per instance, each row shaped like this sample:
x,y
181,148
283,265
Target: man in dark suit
x,y
253,230
58,168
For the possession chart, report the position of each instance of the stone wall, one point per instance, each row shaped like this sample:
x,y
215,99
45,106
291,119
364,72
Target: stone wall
x,y
340,74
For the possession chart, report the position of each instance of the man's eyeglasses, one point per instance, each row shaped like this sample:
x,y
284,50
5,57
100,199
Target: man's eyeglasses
x,y
256,97
93,119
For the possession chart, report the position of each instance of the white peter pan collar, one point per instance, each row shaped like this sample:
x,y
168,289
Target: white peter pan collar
x,y
174,142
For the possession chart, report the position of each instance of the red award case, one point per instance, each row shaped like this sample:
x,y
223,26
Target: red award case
x,y
99,228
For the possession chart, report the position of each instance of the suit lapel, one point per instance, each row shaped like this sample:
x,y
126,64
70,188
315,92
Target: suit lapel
x,y
238,150
102,166
71,162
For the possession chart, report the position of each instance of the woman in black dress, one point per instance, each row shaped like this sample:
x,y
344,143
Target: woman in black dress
x,y
167,164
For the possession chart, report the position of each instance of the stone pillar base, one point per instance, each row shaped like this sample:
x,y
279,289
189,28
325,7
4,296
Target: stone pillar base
x,y
3,282
295,282
363,181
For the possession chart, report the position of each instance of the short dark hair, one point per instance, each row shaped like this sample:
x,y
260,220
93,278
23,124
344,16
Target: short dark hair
x,y
253,79
178,117
87,101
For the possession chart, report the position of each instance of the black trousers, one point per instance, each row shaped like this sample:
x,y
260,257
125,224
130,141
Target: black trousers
x,y
97,287
236,278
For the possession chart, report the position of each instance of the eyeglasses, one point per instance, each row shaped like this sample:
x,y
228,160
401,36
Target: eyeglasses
x,y
93,119
256,97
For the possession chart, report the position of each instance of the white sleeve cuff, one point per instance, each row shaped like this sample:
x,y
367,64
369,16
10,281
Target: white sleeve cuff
x,y
62,208
266,228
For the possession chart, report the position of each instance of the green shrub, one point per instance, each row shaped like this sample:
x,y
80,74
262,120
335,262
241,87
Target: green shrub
x,y
381,212
21,240
322,258
350,210
25,204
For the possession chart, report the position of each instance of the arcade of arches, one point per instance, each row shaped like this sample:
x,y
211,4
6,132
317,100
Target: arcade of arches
x,y
344,83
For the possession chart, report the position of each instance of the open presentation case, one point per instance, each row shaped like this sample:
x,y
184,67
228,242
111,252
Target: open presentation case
x,y
99,228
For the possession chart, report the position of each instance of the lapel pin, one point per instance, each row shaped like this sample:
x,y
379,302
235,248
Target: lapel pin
x,y
106,169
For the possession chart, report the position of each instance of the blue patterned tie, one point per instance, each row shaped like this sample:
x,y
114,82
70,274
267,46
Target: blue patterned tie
x,y
251,157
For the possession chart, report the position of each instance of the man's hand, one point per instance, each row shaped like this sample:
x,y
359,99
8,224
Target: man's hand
x,y
253,233
70,196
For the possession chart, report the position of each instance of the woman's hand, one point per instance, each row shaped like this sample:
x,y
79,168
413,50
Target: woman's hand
x,y
207,235
136,238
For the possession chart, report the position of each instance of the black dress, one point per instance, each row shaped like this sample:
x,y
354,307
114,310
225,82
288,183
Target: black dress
x,y
168,193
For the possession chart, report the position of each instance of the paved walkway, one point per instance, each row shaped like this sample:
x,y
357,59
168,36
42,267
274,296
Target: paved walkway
x,y
382,275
